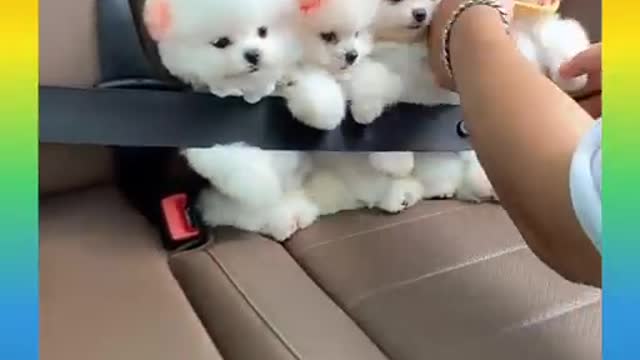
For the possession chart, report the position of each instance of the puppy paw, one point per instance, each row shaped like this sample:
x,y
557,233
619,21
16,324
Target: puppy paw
x,y
281,228
326,119
302,209
402,195
223,93
366,112
306,215
394,164
315,99
440,173
253,97
372,88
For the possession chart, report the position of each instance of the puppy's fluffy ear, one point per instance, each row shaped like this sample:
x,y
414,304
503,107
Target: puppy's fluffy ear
x,y
157,18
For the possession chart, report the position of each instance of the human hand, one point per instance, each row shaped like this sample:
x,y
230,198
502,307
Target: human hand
x,y
588,62
441,17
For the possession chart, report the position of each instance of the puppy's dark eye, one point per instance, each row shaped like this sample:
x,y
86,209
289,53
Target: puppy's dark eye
x,y
263,32
222,43
395,1
329,37
357,34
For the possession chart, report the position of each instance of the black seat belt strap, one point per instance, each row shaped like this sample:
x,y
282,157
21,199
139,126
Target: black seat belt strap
x,y
134,117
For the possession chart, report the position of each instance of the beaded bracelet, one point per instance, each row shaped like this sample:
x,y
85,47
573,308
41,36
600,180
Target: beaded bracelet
x,y
446,36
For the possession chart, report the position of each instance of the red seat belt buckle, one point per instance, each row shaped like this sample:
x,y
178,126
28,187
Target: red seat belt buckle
x,y
176,215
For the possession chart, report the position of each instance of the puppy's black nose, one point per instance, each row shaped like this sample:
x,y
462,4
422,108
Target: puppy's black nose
x,y
351,57
420,15
252,56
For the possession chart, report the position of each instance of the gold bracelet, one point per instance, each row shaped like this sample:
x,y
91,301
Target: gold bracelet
x,y
446,35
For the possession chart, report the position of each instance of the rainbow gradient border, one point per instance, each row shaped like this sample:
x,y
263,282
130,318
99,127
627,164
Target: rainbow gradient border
x,y
19,181
621,180
19,218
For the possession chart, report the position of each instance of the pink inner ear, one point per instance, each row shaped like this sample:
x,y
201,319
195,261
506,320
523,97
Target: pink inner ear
x,y
309,6
157,18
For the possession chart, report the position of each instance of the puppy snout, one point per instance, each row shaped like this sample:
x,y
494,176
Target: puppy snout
x,y
351,57
252,56
420,15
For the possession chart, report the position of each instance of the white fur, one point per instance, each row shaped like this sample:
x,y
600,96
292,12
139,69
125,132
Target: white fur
x,y
402,77
399,17
314,97
188,50
334,39
263,191
347,181
279,220
393,163
453,175
347,23
252,189
549,42
397,71
249,174
329,35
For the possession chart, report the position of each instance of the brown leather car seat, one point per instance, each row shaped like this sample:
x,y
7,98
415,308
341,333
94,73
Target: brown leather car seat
x,y
443,280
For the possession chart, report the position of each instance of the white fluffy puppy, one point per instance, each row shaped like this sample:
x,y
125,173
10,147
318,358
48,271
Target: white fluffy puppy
x,y
255,190
396,71
337,40
398,59
243,179
239,47
549,41
334,38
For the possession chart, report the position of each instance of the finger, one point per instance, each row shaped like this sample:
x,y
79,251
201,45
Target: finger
x,y
593,106
586,62
594,85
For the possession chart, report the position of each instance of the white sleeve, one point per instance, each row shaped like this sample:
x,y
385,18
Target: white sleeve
x,y
586,183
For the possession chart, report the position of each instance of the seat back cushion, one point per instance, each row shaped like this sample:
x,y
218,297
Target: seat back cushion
x,y
65,167
588,13
68,57
68,43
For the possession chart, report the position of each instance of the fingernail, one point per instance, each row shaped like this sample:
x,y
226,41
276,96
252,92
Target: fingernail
x,y
564,70
563,66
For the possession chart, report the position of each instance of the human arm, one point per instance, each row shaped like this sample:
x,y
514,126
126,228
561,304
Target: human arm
x,y
525,131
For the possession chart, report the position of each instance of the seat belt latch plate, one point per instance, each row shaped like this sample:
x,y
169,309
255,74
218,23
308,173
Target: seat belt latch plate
x,y
178,218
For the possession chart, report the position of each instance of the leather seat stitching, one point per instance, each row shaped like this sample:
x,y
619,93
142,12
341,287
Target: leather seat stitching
x,y
445,270
556,311
429,216
252,304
